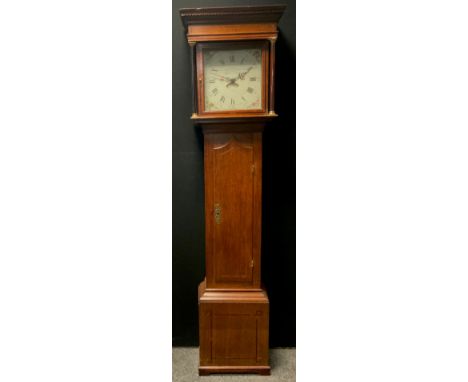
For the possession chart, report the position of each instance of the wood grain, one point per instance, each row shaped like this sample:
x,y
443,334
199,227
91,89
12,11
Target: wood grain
x,y
271,97
233,331
233,182
199,33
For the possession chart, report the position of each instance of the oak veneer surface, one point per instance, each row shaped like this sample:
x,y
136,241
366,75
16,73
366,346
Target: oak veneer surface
x,y
233,186
233,331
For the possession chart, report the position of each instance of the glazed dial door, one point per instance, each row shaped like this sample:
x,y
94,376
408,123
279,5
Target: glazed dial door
x,y
233,79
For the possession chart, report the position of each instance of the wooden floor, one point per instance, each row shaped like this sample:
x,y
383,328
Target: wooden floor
x,y
185,367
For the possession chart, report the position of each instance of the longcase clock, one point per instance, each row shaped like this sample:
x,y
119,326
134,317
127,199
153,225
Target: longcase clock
x,y
233,71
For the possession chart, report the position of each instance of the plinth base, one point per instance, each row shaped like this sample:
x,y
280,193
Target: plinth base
x,y
233,331
207,370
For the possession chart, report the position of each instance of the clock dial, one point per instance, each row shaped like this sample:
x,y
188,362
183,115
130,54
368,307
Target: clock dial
x,y
233,79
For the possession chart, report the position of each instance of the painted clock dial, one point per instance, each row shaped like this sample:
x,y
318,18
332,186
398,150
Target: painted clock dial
x,y
233,79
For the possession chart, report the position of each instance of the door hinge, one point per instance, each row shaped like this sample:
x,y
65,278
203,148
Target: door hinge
x,y
253,169
251,263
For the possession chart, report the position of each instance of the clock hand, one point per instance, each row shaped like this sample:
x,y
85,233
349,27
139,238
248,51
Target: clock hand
x,y
242,75
222,78
232,81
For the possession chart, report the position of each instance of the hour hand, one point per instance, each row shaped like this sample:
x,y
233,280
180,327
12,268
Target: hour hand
x,y
220,77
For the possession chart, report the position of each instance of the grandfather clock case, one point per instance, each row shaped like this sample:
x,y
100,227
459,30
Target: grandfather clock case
x,y
233,72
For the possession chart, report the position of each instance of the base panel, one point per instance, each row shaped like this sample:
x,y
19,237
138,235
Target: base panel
x,y
233,332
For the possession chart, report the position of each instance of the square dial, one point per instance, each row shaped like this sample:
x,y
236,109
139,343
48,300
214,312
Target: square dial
x,y
232,79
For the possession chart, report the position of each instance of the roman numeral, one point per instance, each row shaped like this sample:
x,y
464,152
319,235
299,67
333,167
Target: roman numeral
x,y
250,90
256,54
222,99
231,58
242,61
232,102
214,91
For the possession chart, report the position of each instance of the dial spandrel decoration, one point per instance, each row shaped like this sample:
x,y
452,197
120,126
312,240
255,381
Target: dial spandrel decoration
x,y
233,79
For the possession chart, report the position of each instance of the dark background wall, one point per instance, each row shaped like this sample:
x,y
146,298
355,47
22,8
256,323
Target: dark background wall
x,y
279,188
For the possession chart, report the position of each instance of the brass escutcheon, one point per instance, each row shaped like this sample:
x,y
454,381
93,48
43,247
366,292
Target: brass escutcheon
x,y
217,213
